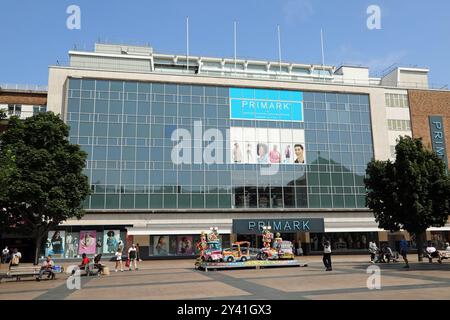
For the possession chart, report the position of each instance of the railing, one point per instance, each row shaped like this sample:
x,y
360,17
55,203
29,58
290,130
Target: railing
x,y
330,80
27,87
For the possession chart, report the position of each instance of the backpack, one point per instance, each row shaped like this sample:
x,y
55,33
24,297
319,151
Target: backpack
x,y
15,260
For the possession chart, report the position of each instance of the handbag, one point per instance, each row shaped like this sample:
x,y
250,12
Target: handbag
x,y
15,260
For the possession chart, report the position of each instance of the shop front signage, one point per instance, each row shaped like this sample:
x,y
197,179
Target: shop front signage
x,y
438,137
255,226
260,104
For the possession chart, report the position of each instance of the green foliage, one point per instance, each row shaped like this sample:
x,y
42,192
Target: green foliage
x,y
412,193
41,175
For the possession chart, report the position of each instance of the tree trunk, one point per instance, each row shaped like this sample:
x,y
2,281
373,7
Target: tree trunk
x,y
38,243
419,241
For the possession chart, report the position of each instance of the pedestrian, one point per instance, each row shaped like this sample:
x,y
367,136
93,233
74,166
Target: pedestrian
x,y
5,255
295,247
327,255
119,259
47,267
404,251
15,258
372,250
138,252
132,256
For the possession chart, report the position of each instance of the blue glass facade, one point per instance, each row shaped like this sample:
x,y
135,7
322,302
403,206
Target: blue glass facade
x,y
126,128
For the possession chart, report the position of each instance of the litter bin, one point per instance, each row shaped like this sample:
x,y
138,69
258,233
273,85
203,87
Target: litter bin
x,y
106,271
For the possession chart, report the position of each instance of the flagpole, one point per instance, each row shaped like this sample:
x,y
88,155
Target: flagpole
x,y
235,48
279,45
187,44
323,55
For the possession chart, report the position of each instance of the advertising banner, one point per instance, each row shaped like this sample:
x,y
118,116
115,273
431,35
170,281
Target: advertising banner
x,y
87,242
267,145
55,244
111,239
261,104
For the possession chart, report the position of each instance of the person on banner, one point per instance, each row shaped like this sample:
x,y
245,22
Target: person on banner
x,y
57,243
299,153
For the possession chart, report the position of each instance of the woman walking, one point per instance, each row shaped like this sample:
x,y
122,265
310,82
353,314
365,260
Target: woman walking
x,y
132,256
119,259
327,256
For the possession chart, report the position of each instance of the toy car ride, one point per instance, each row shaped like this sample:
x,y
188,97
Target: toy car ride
x,y
239,252
213,253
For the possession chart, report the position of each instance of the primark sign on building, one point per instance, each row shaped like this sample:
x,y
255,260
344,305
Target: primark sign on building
x,y
255,226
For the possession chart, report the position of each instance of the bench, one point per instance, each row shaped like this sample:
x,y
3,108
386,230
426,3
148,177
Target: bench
x,y
89,270
445,254
21,272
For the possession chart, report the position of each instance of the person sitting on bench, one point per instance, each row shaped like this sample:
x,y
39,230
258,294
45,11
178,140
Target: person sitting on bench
x,y
47,267
432,252
84,263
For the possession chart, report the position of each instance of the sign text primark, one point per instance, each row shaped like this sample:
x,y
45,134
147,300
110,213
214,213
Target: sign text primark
x,y
252,226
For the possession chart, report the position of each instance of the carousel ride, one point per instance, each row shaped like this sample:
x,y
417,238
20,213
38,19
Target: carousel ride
x,y
213,257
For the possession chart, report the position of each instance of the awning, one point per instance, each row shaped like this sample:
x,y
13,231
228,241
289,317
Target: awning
x,y
183,227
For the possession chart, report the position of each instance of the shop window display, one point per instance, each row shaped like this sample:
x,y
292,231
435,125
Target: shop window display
x,y
343,241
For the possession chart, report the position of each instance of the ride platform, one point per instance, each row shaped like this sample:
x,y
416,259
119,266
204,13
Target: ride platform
x,y
250,264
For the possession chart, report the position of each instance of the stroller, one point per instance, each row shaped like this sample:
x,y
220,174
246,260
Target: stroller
x,y
97,265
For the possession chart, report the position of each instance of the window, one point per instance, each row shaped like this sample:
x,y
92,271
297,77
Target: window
x,y
39,109
397,100
14,109
399,125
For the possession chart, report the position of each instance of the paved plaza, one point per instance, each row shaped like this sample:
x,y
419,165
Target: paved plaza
x,y
177,279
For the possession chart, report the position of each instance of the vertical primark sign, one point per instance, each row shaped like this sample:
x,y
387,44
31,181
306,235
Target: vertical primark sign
x,y
438,138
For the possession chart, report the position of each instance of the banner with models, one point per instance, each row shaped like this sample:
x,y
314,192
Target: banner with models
x,y
267,145
111,240
185,245
87,242
55,244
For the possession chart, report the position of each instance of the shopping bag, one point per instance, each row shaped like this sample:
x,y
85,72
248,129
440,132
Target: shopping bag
x,y
127,264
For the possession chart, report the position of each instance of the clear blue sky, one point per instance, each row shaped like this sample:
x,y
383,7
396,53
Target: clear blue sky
x,y
34,33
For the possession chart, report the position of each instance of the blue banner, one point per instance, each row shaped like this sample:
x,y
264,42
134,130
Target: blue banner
x,y
261,104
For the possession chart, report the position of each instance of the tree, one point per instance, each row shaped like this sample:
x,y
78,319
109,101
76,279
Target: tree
x,y
412,193
41,174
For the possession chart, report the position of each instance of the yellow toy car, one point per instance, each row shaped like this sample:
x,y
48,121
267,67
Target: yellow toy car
x,y
239,252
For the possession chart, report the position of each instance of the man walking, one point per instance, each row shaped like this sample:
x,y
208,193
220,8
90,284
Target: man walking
x,y
404,251
327,256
